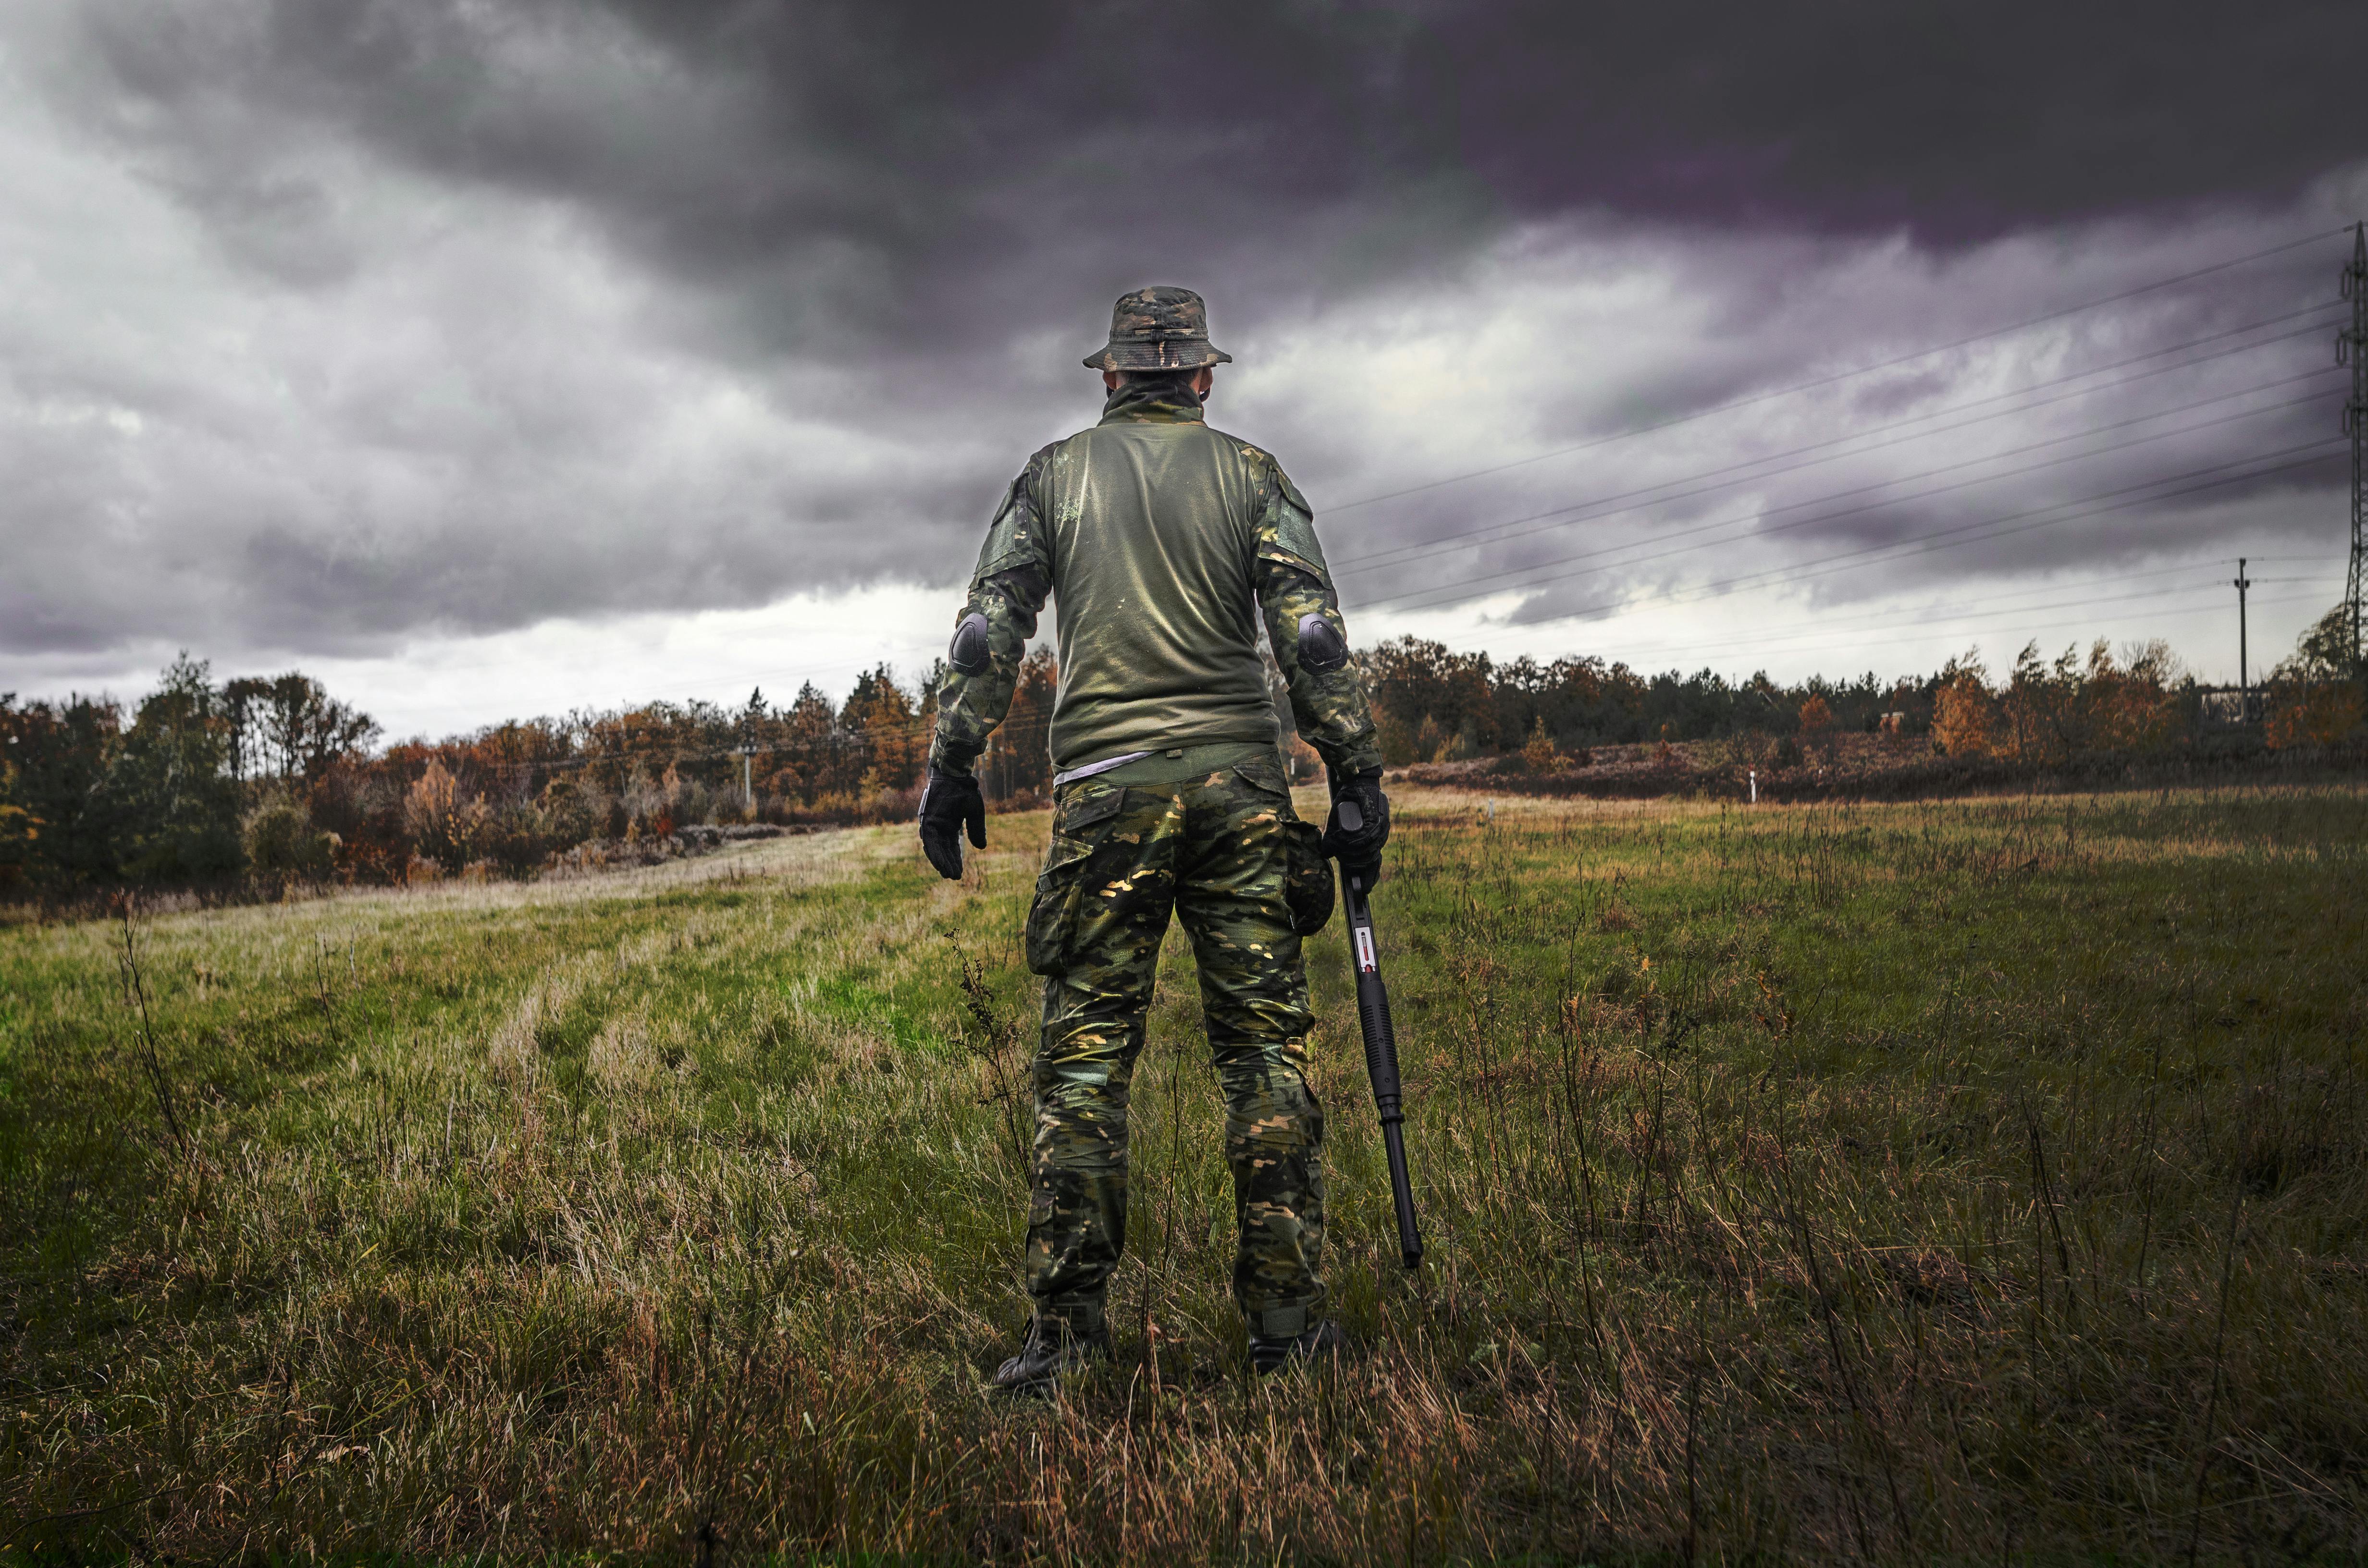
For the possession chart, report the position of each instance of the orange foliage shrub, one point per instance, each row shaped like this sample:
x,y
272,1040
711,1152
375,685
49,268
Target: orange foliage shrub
x,y
2315,715
443,826
1963,716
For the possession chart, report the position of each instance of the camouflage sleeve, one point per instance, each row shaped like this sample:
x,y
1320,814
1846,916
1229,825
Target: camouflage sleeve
x,y
1007,591
1303,622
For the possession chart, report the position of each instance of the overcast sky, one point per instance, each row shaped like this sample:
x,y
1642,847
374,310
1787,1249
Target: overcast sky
x,y
501,356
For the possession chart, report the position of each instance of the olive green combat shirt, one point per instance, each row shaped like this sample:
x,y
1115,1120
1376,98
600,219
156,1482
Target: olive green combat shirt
x,y
1161,541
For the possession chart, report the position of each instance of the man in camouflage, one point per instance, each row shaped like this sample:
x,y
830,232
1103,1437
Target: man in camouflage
x,y
1165,543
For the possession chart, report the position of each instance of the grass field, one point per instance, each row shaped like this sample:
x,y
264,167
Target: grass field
x,y
1969,1181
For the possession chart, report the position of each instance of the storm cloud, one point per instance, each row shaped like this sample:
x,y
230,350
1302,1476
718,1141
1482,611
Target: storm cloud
x,y
338,329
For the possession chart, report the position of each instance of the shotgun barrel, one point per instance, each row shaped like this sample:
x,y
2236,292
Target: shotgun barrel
x,y
1381,1039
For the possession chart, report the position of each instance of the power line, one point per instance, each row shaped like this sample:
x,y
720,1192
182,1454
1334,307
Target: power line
x,y
1558,516
1761,515
1758,517
1802,640
2352,347
1853,558
1846,375
2015,599
1988,533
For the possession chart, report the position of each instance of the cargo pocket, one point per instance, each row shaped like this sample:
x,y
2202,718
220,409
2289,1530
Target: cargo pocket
x,y
1307,890
1079,825
1308,878
1264,774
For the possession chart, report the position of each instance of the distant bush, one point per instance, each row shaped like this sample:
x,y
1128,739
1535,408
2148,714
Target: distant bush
x,y
280,841
2312,715
1539,750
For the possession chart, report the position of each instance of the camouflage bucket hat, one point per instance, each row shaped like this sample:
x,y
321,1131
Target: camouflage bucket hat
x,y
1158,329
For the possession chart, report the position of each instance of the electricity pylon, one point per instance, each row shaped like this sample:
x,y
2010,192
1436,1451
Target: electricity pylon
x,y
2351,348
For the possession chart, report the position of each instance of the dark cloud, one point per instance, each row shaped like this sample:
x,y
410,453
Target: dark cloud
x,y
858,176
518,309
1958,120
841,180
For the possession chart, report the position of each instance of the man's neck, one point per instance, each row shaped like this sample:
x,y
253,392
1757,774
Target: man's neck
x,y
1163,400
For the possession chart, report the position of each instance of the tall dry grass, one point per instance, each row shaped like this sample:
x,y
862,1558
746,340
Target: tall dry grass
x,y
1904,1183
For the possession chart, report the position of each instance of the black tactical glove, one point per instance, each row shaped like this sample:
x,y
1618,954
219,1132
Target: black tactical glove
x,y
1359,847
949,803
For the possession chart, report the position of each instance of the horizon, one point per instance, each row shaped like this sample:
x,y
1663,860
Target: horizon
x,y
1996,673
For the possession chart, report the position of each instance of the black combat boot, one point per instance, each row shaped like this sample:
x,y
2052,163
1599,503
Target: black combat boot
x,y
1053,1348
1318,1344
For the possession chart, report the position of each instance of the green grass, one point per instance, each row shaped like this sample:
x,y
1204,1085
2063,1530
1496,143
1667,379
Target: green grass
x,y
1971,1181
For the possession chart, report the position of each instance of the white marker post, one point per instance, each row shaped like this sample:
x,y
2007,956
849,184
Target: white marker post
x,y
1755,786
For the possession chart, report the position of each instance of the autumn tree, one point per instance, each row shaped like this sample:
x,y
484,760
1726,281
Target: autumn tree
x,y
288,727
1962,714
2314,696
879,718
809,752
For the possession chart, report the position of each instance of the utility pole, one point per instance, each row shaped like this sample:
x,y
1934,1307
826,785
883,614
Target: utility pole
x,y
2351,348
748,795
2244,686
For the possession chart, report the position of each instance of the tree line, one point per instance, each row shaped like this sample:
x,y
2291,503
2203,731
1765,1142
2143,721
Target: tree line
x,y
1433,704
275,780
272,780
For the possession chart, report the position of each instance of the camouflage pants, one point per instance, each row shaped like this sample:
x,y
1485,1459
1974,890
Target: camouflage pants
x,y
1213,848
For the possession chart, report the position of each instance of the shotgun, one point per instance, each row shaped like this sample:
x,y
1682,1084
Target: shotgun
x,y
1381,1039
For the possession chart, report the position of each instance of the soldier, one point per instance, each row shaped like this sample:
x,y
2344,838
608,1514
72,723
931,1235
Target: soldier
x,y
1164,542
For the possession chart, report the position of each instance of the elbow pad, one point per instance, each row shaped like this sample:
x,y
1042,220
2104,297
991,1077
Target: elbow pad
x,y
1321,646
970,653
